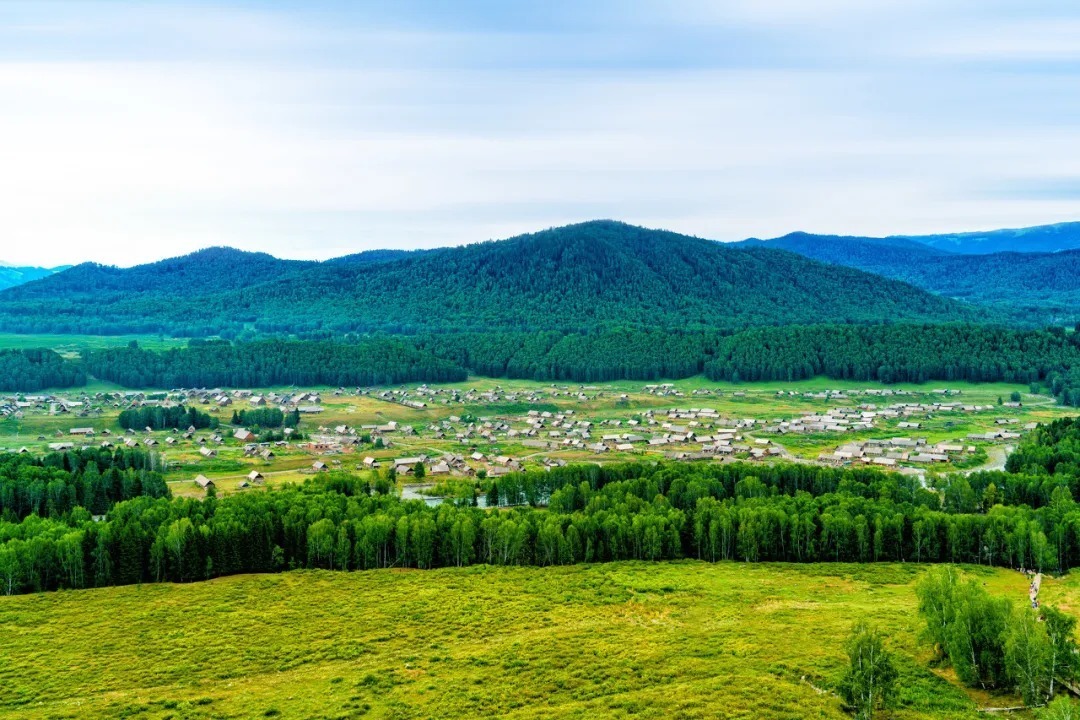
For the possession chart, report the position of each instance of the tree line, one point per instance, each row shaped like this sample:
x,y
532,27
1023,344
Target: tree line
x,y
163,418
874,353
379,361
591,513
266,418
36,369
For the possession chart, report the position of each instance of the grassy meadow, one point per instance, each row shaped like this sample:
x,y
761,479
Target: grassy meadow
x,y
622,640
71,346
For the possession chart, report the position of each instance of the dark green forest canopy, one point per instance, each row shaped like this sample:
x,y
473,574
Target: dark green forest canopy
x,y
578,278
882,353
877,353
37,369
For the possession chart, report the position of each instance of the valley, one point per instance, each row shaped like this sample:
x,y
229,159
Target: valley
x,y
490,427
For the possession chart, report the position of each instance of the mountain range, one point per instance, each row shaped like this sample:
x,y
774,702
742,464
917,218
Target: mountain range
x,y
1041,238
593,275
1029,287
11,275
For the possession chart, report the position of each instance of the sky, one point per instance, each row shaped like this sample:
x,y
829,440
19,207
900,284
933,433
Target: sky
x,y
133,131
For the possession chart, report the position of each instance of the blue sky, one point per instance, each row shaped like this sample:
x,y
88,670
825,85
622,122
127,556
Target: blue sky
x,y
132,131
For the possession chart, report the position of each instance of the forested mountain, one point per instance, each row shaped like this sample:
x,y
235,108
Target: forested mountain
x,y
1042,238
10,276
582,277
211,270
1038,239
373,257
1038,288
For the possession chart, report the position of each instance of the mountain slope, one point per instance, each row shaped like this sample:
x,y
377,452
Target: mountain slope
x,y
581,277
212,269
1042,238
10,276
1031,287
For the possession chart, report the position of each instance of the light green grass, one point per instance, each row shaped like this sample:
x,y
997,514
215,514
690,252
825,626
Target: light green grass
x,y
623,640
73,345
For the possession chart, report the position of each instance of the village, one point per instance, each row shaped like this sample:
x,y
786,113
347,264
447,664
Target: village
x,y
419,434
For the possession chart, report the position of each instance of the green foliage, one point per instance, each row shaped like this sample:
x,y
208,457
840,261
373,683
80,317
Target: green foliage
x,y
587,513
163,418
885,353
1061,708
205,364
966,626
265,418
1051,449
59,484
36,369
869,680
992,644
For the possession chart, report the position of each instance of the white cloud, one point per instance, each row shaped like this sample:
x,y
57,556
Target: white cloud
x,y
287,134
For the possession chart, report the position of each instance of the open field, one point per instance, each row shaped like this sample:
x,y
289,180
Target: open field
x,y
670,640
72,345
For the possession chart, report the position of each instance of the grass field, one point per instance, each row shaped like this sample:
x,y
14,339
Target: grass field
x,y
624,640
72,345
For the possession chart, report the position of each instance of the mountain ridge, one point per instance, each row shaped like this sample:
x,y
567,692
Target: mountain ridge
x,y
13,275
590,275
1033,288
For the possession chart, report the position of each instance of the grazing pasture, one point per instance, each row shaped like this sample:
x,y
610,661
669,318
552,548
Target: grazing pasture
x,y
621,640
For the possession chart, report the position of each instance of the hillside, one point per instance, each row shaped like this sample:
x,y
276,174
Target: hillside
x,y
1041,238
1034,287
645,640
10,275
581,277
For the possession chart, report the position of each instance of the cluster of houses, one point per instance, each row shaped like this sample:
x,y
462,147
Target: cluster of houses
x,y
17,406
681,433
889,452
448,463
425,395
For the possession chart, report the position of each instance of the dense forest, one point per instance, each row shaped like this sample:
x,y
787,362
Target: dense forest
x,y
92,479
377,361
882,353
1051,450
266,418
573,279
164,418
32,370
592,513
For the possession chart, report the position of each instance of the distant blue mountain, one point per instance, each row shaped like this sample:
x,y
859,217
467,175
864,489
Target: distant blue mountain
x,y
1042,238
10,276
1032,275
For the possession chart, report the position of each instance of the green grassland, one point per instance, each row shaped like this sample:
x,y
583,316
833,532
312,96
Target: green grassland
x,y
71,346
623,640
